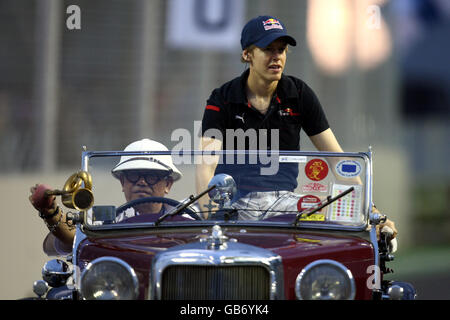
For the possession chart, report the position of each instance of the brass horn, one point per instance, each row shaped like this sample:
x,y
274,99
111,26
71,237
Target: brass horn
x,y
72,195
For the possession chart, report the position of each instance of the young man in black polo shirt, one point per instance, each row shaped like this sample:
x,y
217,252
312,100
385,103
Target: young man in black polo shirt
x,y
263,98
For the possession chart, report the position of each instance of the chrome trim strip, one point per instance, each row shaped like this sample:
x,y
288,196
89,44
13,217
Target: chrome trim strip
x,y
90,154
374,241
324,262
368,185
79,237
208,223
373,233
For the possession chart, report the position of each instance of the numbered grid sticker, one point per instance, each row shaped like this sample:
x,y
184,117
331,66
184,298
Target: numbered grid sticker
x,y
347,208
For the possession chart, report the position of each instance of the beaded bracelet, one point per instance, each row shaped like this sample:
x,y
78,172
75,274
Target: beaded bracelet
x,y
48,216
53,227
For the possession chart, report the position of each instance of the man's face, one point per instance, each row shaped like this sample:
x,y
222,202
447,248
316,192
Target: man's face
x,y
268,63
145,183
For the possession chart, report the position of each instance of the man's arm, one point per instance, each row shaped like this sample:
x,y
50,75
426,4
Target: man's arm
x,y
55,220
206,168
326,141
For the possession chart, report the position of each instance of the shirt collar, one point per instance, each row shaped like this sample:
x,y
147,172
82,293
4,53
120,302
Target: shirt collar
x,y
237,89
286,88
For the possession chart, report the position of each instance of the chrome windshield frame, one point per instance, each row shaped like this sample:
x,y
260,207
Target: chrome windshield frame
x,y
365,156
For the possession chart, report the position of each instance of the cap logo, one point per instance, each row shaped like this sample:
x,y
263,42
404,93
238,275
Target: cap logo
x,y
272,24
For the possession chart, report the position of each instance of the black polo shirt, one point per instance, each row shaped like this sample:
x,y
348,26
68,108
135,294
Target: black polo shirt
x,y
294,106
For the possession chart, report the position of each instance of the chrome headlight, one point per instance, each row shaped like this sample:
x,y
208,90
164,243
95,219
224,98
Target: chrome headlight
x,y
109,278
325,280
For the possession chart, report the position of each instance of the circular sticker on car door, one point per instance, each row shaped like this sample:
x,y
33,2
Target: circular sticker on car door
x,y
348,168
316,169
306,203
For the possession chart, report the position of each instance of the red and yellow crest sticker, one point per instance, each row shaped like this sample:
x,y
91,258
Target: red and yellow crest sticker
x,y
316,169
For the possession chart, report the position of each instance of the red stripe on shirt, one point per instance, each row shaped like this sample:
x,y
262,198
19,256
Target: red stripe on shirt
x,y
211,107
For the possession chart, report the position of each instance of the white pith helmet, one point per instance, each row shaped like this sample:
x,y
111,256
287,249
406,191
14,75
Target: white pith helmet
x,y
161,163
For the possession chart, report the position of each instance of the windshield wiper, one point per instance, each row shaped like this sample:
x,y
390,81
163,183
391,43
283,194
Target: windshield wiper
x,y
329,200
183,206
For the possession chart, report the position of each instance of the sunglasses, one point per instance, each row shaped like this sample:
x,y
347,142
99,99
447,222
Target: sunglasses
x,y
150,178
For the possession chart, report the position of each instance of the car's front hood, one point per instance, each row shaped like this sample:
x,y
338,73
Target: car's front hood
x,y
296,247
285,242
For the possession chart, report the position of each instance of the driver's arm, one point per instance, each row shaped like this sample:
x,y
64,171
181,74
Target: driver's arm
x,y
205,169
61,229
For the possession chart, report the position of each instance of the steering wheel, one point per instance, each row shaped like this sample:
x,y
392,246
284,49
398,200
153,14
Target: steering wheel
x,y
170,202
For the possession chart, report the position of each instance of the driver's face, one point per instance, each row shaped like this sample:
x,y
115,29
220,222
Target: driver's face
x,y
142,189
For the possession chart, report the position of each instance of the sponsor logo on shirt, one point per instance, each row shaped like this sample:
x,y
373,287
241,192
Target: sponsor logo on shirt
x,y
240,117
288,112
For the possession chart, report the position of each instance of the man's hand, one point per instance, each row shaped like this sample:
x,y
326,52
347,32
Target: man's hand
x,y
387,223
42,203
390,224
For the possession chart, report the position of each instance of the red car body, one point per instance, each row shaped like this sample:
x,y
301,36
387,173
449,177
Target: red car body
x,y
296,248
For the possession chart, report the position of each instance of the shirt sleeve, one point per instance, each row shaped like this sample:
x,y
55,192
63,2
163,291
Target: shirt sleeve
x,y
54,247
313,118
214,117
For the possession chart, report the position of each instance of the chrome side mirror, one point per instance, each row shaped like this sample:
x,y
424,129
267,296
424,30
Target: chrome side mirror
x,y
224,191
56,272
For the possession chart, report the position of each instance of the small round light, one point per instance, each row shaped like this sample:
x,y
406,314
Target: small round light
x,y
325,280
395,292
109,278
40,287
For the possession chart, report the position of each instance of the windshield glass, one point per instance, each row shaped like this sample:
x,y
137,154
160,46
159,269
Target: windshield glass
x,y
313,189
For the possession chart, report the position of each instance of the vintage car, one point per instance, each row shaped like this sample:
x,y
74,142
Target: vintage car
x,y
318,241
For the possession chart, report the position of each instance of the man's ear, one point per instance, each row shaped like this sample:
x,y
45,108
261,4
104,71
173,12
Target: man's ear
x,y
246,56
122,181
169,183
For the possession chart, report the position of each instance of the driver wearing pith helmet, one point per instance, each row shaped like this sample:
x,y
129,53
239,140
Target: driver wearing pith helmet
x,y
140,176
144,176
